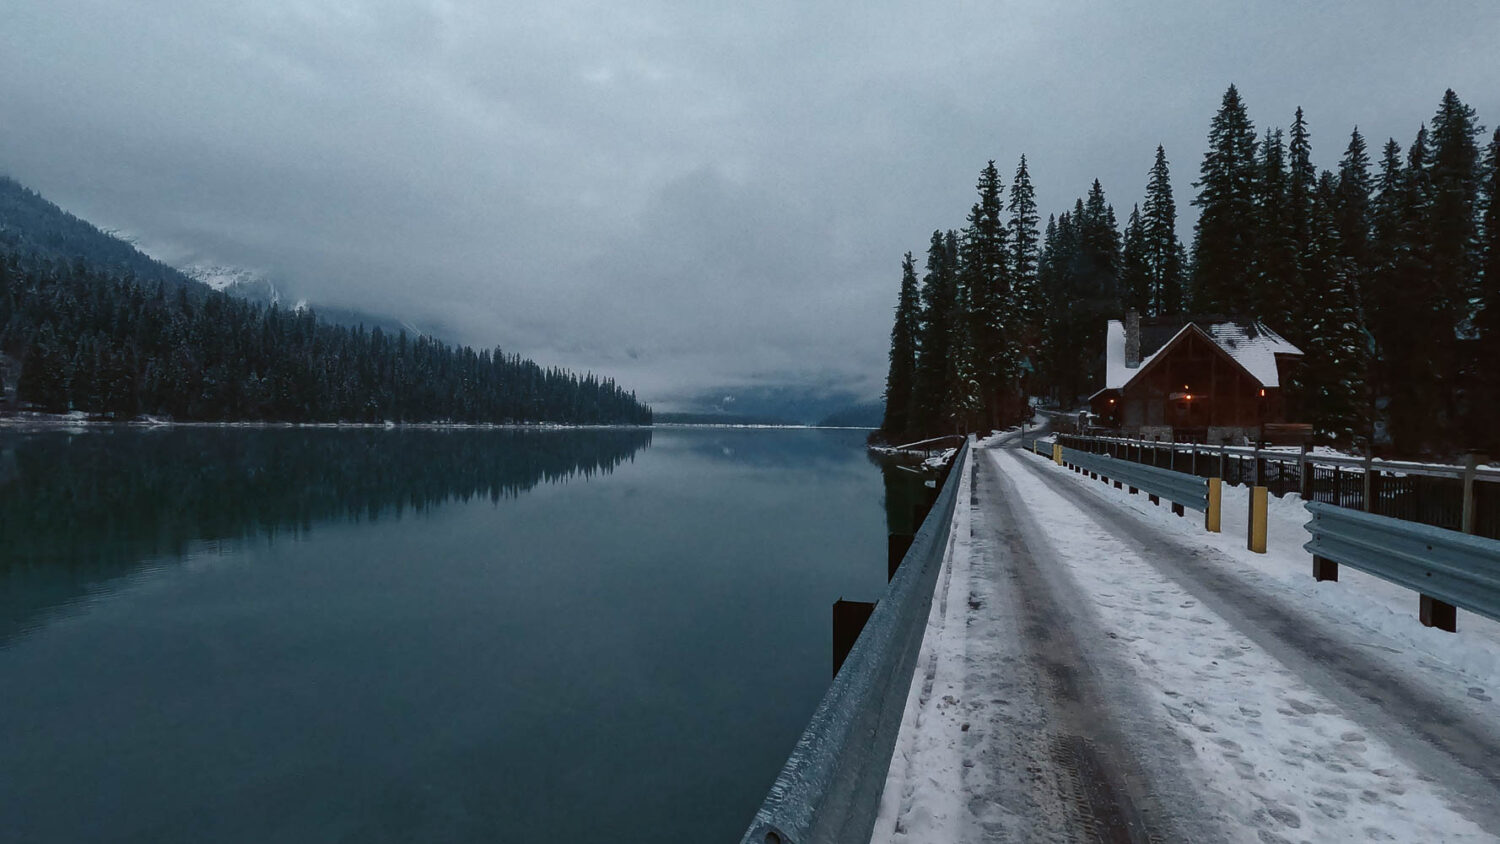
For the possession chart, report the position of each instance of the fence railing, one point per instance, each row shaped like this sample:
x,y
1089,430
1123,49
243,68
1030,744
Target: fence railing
x,y
830,788
1463,498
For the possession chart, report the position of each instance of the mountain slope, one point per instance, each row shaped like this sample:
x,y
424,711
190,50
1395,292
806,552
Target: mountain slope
x,y
87,335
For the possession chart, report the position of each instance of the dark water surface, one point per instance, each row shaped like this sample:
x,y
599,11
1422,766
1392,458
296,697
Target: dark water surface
x,y
363,635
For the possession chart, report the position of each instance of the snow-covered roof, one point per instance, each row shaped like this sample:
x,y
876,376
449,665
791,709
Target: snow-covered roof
x,y
1255,347
1116,373
1251,344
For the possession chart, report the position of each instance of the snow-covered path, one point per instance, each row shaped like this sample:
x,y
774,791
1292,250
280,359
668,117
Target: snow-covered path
x,y
1095,668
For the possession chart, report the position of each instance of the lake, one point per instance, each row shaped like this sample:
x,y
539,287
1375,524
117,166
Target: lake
x,y
417,635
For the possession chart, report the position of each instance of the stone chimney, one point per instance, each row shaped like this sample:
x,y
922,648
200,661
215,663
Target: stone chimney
x,y
1132,338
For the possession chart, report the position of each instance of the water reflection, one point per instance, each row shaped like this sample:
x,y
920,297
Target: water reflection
x,y
79,510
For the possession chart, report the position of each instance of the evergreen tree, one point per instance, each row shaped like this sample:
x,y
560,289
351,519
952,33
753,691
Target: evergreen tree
x,y
1024,246
1453,165
1162,249
987,292
964,400
1135,272
1331,383
901,379
938,312
1353,207
1487,322
1275,272
1302,181
1223,244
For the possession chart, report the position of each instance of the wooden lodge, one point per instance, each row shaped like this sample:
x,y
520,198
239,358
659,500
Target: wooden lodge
x,y
1195,379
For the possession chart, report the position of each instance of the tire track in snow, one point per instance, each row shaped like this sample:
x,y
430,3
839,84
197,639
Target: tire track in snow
x,y
1097,778
1428,741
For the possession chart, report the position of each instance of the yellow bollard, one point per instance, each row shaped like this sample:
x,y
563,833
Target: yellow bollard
x,y
1057,453
1215,501
1257,538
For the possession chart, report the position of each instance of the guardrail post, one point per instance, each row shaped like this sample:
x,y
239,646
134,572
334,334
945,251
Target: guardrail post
x,y
1439,614
1256,540
897,544
1151,496
849,619
1324,569
1178,509
1215,501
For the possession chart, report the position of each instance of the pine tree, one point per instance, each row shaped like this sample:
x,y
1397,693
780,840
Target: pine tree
x,y
1353,207
1024,246
1274,272
964,403
1135,272
1487,321
901,378
1331,384
1415,320
1222,241
1163,251
938,316
986,279
1453,164
1302,182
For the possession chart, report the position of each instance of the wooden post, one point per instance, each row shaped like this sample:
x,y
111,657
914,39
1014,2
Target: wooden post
x,y
1256,540
1306,473
849,619
1471,463
1324,569
1178,509
1153,498
1194,465
1439,614
896,547
1215,501
1368,502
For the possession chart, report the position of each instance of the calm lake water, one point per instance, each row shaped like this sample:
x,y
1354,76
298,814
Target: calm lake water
x,y
364,635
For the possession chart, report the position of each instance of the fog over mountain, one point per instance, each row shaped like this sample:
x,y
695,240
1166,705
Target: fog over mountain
x,y
689,198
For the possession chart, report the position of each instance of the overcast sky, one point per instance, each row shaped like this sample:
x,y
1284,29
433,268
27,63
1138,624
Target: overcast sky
x,y
681,195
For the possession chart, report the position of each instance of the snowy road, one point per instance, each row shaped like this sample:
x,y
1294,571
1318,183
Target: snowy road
x,y
1097,669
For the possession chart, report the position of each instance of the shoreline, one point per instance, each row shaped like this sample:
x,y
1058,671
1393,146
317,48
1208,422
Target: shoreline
x,y
54,421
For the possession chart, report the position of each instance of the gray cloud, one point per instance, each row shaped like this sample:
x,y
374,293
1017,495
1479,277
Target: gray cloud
x,y
679,195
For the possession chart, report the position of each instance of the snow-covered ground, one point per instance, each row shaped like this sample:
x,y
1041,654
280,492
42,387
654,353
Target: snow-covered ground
x,y
1094,662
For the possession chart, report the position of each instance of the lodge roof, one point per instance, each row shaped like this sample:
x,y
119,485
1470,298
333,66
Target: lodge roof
x,y
1250,343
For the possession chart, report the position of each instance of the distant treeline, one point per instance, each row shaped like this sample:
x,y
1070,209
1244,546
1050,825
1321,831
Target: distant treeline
x,y
92,335
1388,280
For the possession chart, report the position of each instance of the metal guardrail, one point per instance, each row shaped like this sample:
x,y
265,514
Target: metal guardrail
x,y
1447,568
829,790
1179,488
1463,497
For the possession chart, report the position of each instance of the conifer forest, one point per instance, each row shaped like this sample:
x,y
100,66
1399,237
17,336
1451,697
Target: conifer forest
x,y
94,326
1385,272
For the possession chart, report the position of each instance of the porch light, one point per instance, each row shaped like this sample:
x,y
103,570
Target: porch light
x,y
1262,392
